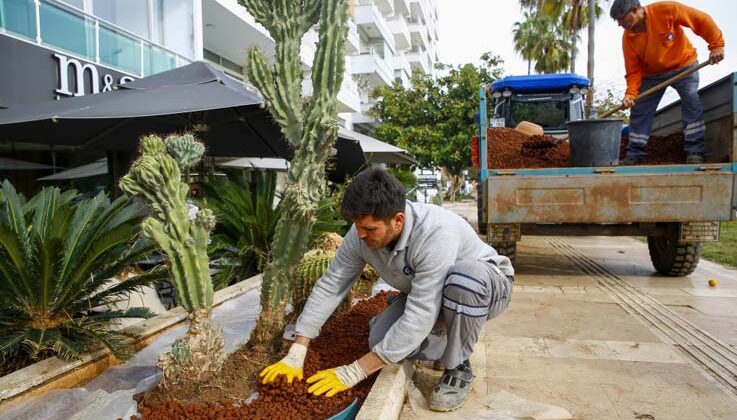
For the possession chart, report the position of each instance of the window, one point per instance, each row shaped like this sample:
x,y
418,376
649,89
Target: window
x,y
156,60
79,4
67,31
131,15
120,50
19,17
551,114
173,25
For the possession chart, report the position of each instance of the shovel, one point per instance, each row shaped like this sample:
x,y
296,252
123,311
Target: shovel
x,y
650,91
658,87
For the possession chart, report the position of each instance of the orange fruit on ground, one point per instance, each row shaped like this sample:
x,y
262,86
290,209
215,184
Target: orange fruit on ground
x,y
712,283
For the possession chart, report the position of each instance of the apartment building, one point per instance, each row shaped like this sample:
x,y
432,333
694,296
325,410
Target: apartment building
x,y
395,37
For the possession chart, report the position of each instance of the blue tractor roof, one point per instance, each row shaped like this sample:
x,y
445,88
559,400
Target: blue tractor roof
x,y
540,83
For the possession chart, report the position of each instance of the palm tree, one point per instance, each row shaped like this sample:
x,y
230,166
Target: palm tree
x,y
552,48
525,37
573,15
57,258
590,59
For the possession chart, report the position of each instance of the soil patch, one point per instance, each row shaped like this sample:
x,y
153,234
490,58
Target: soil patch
x,y
342,340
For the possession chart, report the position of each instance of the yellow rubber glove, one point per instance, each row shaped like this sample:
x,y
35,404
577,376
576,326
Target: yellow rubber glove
x,y
291,365
333,381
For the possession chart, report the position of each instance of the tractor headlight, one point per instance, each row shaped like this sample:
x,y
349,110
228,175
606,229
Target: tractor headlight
x,y
507,93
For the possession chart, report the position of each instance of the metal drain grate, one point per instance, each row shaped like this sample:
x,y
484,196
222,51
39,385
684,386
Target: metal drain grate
x,y
712,357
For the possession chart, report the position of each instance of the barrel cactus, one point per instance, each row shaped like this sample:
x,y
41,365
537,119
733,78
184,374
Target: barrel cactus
x,y
156,178
310,127
312,266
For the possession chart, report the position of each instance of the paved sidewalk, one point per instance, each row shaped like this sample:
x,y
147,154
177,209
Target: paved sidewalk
x,y
593,330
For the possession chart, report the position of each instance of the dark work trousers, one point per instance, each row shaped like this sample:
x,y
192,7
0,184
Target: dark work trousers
x,y
474,292
692,114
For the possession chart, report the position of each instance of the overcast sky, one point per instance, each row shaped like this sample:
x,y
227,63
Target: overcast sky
x,y
469,28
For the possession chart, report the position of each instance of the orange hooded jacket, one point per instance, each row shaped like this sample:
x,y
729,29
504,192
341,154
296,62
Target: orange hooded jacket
x,y
663,46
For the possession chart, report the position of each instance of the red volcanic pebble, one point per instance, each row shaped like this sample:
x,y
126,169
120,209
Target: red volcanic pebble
x,y
342,340
661,150
509,149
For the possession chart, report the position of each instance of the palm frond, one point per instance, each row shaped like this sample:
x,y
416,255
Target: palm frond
x,y
125,287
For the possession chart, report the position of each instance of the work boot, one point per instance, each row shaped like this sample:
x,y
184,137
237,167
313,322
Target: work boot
x,y
452,390
695,158
633,160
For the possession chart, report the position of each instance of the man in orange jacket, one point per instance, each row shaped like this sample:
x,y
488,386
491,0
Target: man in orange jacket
x,y
656,49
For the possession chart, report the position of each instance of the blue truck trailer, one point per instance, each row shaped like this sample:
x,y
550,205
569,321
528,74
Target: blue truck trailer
x,y
677,207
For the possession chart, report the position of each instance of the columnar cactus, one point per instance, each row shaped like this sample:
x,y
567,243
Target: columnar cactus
x,y
310,128
156,178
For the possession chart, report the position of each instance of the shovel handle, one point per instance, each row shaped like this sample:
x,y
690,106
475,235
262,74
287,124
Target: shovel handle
x,y
659,87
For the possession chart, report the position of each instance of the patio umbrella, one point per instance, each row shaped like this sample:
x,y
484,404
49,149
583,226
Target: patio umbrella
x,y
21,165
228,115
96,168
377,151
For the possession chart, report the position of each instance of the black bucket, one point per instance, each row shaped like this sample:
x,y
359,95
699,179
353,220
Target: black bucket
x,y
595,142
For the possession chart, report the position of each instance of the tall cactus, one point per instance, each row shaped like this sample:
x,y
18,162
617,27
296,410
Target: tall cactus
x,y
310,128
156,178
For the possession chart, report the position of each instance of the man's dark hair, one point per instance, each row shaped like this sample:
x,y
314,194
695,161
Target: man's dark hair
x,y
621,7
374,192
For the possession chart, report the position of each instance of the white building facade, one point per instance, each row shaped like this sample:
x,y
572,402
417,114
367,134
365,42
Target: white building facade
x,y
395,38
128,39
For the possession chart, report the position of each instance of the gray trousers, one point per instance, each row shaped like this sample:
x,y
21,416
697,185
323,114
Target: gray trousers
x,y
474,292
692,114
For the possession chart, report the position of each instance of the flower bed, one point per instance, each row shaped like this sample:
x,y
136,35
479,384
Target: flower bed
x,y
342,340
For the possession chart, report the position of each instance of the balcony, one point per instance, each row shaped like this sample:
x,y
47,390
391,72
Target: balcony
x,y
419,34
401,64
402,8
420,60
420,9
348,98
374,67
57,26
372,22
229,30
352,42
402,37
385,6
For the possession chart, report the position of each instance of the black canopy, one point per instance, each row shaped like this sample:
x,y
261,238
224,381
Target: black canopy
x,y
226,114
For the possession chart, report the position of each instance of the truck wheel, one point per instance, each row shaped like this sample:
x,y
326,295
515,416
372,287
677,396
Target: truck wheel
x,y
483,226
673,258
508,249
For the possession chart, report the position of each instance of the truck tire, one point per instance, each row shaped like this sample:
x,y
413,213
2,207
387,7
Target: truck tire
x,y
672,258
483,226
508,249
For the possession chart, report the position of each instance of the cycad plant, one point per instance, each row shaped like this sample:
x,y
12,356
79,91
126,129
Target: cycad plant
x,y
156,177
57,257
309,126
247,212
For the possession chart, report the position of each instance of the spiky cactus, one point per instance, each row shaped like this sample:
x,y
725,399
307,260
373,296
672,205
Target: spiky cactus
x,y
312,266
156,178
309,127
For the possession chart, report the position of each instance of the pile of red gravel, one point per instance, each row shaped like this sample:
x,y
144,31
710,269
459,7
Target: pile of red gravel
x,y
510,149
342,340
663,150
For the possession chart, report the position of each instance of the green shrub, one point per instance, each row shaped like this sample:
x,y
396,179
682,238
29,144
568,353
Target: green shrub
x,y
56,256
